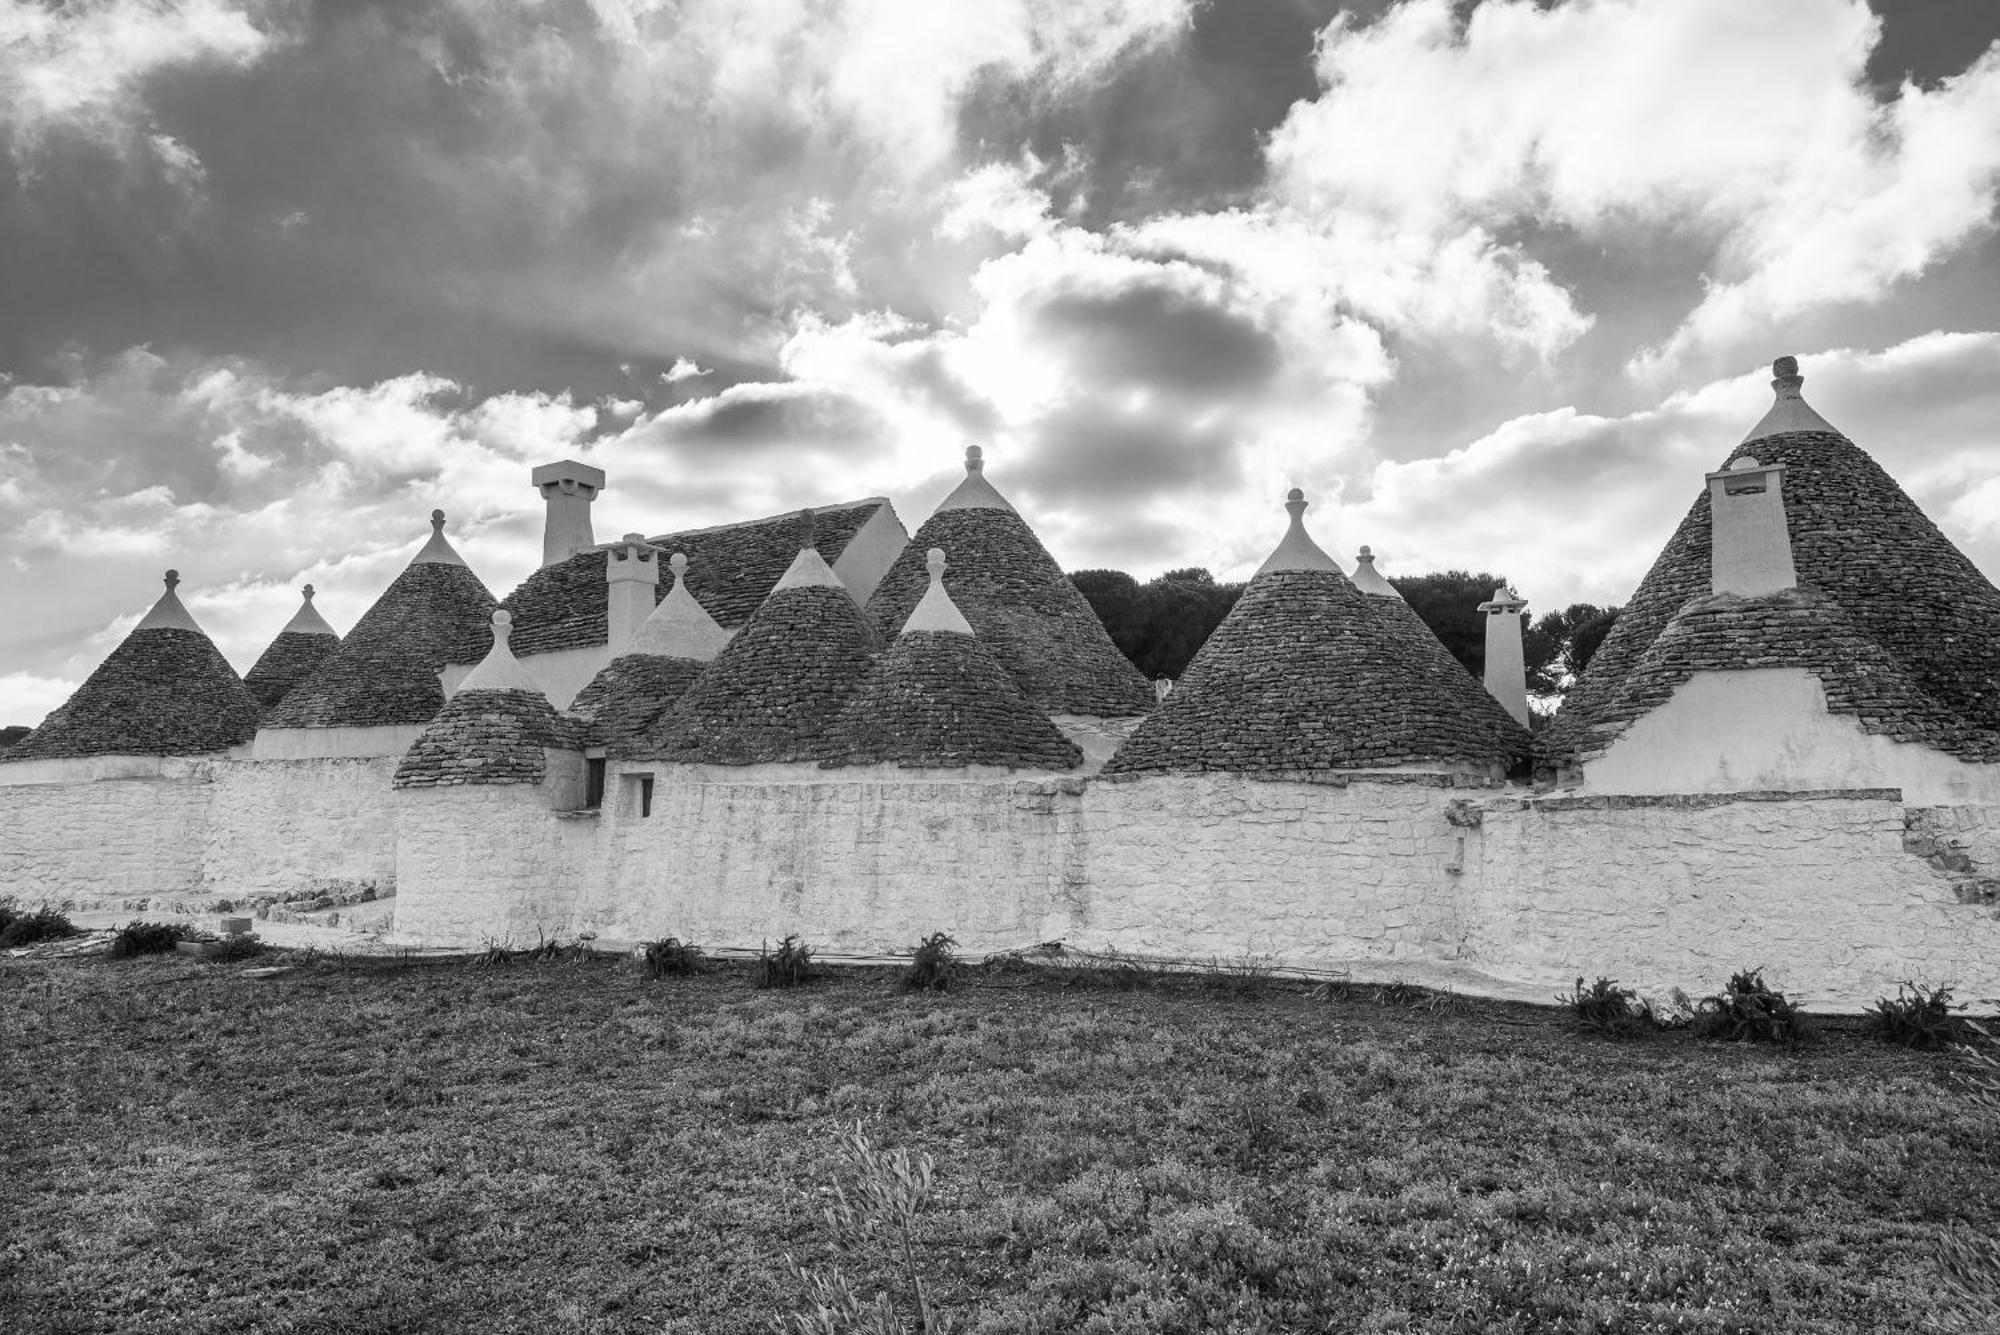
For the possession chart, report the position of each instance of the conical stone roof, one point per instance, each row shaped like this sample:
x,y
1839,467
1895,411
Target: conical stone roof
x,y
780,681
1429,657
937,698
1022,606
494,729
1856,538
1307,674
165,691
676,642
293,656
385,671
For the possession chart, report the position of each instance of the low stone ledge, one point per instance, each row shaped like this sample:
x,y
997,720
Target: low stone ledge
x,y
1691,801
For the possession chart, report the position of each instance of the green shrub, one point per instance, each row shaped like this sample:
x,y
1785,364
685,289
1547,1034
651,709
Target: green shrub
x,y
1606,1008
26,927
1749,1010
791,966
877,1206
934,967
674,958
1917,1017
246,946
148,938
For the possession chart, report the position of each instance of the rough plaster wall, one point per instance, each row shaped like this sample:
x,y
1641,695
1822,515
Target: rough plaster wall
x,y
289,827
96,839
389,739
487,862
562,673
1683,892
870,552
1223,866
849,866
1769,729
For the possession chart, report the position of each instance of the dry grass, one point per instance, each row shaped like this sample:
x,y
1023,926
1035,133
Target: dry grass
x,y
566,1145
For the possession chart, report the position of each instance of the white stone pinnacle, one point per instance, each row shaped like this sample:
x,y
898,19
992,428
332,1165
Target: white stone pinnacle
x,y
500,670
680,627
936,611
975,493
1368,579
168,613
437,551
808,569
1297,550
1790,412
307,620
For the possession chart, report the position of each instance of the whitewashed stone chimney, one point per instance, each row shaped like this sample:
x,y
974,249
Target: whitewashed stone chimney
x,y
1506,662
632,570
1751,551
568,488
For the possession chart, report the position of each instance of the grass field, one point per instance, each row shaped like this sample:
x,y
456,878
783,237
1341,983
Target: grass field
x,y
368,1145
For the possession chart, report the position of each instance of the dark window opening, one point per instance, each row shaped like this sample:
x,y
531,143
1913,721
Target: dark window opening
x,y
593,784
646,796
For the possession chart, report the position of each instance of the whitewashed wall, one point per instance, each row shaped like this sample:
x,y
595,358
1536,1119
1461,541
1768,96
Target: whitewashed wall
x,y
1223,866
103,827
289,827
1683,891
479,863
853,866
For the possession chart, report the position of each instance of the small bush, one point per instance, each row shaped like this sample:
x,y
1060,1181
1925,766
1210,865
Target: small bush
x,y
791,966
25,927
246,946
148,938
1749,1010
674,958
1917,1017
1606,1008
935,966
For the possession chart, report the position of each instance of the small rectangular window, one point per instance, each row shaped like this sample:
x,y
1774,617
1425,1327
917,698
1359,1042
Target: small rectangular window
x,y
646,796
593,784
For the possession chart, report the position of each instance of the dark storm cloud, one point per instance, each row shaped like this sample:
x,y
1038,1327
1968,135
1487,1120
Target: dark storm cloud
x,y
1177,127
750,419
1100,455
1925,42
1156,336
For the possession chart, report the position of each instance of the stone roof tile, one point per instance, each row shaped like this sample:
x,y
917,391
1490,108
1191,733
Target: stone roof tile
x,y
487,737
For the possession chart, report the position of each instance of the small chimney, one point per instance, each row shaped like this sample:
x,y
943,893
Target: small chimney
x,y
1751,552
568,487
1506,665
632,570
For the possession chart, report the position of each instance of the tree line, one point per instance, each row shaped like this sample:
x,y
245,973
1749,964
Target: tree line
x,y
1160,625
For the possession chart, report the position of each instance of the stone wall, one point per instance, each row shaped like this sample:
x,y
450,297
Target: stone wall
x,y
850,866
105,830
292,827
1223,866
479,863
1817,888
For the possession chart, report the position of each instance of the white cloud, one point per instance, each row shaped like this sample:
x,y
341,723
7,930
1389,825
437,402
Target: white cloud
x,y
683,369
1750,127
80,67
26,698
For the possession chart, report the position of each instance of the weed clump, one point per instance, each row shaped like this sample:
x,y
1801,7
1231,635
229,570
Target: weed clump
x,y
1606,1008
1750,1010
148,938
1917,1017
244,947
934,967
27,927
790,966
674,958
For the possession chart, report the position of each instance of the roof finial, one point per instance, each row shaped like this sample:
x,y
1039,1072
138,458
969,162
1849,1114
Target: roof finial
x,y
1296,550
935,611
173,578
1367,553
437,521
975,459
503,625
1786,378
1368,579
808,530
678,563
309,592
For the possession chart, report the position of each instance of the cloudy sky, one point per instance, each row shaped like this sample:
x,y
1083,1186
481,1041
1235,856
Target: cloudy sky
x,y
1494,282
